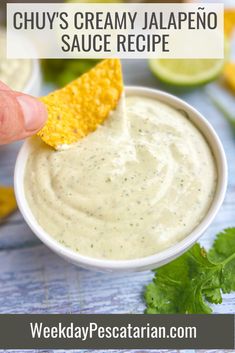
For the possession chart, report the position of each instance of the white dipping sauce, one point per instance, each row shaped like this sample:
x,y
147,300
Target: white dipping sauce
x,y
137,185
13,72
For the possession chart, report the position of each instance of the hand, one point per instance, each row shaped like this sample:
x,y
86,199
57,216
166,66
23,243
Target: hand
x,y
21,115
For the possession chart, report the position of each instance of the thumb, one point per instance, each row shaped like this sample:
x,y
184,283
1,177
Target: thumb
x,y
21,115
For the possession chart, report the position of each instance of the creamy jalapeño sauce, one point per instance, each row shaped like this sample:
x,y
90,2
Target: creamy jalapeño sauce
x,y
137,185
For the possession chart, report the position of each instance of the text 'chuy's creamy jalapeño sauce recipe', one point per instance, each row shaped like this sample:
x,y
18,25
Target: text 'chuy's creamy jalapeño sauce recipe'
x,y
137,185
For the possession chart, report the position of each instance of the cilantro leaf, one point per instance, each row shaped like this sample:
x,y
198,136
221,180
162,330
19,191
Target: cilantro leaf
x,y
223,251
213,295
187,284
224,245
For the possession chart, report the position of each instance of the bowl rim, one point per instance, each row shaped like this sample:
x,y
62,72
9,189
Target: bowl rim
x,y
156,259
33,77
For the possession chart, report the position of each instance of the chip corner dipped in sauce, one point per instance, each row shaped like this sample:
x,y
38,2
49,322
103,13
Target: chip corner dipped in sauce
x,y
137,185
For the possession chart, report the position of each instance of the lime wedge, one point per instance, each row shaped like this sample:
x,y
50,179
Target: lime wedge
x,y
186,72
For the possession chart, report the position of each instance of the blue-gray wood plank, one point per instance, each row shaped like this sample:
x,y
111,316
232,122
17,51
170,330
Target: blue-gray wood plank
x,y
35,280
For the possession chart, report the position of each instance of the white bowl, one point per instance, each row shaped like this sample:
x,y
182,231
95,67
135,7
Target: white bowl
x,y
158,259
33,85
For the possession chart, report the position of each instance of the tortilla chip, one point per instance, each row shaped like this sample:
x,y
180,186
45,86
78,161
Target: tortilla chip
x,y
77,109
7,201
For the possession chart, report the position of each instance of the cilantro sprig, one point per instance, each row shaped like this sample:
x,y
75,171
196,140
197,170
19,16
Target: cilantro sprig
x,y
197,278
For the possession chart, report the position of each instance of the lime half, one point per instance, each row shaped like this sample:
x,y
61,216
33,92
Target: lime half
x,y
186,72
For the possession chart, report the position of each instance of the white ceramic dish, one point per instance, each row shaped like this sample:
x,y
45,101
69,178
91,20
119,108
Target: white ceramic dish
x,y
157,259
33,85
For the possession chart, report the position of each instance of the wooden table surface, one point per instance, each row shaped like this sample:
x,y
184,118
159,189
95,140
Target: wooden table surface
x,y
35,280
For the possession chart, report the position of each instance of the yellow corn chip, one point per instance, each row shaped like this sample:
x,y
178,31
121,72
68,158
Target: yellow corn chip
x,y
77,109
229,75
7,201
229,21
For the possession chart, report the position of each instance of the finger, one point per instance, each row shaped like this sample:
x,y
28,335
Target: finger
x,y
4,87
20,116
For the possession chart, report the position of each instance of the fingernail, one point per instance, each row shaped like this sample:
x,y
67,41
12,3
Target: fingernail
x,y
33,112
